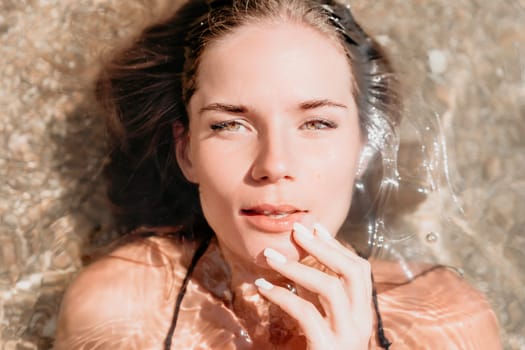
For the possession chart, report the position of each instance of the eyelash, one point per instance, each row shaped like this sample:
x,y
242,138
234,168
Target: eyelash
x,y
320,123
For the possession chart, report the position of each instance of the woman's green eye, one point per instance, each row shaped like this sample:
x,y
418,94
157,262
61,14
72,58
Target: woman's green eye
x,y
318,125
230,125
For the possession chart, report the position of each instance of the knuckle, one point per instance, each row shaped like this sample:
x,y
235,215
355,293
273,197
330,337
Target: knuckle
x,y
354,270
333,286
310,308
357,272
300,304
362,265
302,308
366,266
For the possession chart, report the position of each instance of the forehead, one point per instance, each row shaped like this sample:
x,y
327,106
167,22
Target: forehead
x,y
273,61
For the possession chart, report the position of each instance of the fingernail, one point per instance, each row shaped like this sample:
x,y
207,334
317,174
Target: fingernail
x,y
322,232
263,284
274,255
303,231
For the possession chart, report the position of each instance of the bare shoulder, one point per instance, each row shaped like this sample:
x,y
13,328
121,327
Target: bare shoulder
x,y
437,307
113,298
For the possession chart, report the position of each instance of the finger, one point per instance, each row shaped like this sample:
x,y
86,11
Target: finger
x,y
323,233
354,271
327,250
330,289
305,313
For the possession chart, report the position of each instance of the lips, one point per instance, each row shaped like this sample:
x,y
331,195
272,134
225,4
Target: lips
x,y
272,218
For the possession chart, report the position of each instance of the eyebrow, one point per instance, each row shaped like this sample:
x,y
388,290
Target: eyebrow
x,y
222,107
241,109
313,104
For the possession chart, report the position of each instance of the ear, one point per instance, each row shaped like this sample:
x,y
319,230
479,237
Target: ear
x,y
183,152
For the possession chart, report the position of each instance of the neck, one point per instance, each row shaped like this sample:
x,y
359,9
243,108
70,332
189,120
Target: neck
x,y
264,321
243,274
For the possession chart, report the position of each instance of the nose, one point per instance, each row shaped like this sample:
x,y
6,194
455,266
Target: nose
x,y
274,159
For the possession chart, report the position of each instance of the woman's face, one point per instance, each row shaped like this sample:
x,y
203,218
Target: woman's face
x,y
273,138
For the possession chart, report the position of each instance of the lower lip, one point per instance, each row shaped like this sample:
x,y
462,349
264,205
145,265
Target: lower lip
x,y
270,224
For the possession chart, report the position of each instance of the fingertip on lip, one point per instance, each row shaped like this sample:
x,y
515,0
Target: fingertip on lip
x,y
302,231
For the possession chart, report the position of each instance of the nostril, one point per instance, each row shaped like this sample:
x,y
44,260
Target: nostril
x,y
272,164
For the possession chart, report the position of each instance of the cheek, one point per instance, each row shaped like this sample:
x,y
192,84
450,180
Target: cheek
x,y
220,172
338,162
336,180
339,181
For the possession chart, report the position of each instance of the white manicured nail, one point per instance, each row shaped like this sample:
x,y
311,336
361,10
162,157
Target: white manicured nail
x,y
303,231
274,255
322,232
263,284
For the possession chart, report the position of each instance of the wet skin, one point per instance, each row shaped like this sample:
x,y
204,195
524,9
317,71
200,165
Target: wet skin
x,y
126,300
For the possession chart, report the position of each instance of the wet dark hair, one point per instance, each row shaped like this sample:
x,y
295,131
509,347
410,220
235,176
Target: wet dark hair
x,y
146,87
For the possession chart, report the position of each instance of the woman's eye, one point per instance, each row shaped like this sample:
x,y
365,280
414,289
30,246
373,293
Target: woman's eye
x,y
230,125
318,124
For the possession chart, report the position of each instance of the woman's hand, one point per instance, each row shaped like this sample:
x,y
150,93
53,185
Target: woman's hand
x,y
346,297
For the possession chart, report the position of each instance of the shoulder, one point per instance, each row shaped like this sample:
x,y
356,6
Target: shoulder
x,y
436,307
115,295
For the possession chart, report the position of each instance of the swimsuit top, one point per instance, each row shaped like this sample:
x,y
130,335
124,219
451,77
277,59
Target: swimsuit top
x,y
383,341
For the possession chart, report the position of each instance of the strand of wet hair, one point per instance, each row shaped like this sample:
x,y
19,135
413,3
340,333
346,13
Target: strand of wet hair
x,y
194,260
456,270
383,340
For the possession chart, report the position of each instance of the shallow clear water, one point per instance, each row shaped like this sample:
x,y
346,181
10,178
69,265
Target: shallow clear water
x,y
435,309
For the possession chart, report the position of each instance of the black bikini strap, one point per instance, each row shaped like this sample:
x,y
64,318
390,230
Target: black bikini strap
x,y
383,341
196,256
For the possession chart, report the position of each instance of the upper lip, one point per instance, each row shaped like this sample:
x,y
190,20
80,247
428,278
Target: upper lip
x,y
270,209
